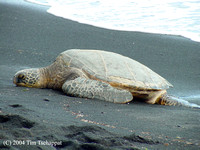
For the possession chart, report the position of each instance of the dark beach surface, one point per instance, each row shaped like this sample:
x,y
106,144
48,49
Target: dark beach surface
x,y
33,118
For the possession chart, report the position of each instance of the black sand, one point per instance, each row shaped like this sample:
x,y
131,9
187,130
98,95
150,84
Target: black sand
x,y
30,37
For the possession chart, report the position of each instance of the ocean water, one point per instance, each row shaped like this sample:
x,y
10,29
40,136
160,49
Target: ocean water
x,y
175,17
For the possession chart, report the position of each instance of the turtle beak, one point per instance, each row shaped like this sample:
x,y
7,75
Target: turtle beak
x,y
15,80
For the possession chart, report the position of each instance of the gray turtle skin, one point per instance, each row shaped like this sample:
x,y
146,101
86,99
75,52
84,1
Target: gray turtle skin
x,y
99,74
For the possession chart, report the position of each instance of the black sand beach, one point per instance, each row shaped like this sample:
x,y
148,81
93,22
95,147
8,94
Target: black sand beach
x,y
29,118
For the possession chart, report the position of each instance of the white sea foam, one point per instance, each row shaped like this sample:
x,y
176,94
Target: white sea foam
x,y
192,97
176,17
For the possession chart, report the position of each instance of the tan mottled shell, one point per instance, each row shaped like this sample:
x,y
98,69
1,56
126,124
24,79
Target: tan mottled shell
x,y
115,69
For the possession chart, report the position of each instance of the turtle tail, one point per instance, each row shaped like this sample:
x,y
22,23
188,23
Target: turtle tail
x,y
172,101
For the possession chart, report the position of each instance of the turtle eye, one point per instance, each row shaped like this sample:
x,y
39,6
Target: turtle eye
x,y
21,76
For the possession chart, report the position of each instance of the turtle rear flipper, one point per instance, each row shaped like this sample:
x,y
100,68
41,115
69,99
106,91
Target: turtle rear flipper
x,y
172,101
87,88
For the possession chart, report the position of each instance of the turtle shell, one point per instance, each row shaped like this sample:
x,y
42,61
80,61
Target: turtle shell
x,y
114,68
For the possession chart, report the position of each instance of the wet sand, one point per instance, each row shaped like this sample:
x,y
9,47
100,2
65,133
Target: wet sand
x,y
30,37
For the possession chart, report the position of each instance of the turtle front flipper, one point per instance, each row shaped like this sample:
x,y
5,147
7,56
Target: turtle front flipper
x,y
87,88
172,101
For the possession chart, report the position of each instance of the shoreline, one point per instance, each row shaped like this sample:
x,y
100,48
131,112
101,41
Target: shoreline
x,y
33,38
127,26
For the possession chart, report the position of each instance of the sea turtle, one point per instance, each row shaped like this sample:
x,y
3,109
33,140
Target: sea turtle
x,y
99,74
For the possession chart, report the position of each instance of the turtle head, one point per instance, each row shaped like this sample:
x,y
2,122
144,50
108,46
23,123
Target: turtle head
x,y
28,78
